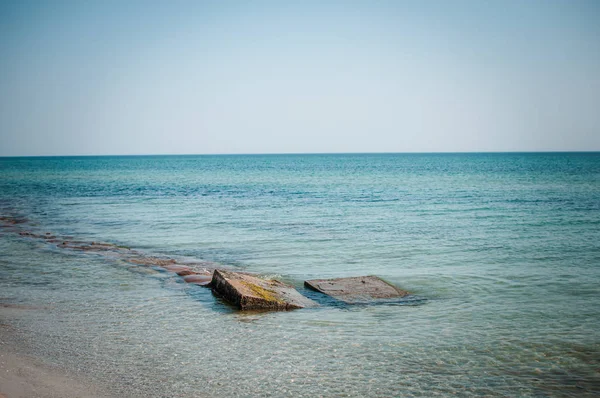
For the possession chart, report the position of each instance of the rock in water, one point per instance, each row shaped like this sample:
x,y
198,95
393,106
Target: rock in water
x,y
360,289
198,279
248,292
181,270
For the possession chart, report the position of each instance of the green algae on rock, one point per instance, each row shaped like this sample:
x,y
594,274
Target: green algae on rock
x,y
249,292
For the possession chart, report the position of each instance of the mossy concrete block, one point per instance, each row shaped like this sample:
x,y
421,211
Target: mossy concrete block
x,y
248,292
360,289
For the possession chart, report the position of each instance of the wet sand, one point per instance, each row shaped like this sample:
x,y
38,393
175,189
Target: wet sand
x,y
24,376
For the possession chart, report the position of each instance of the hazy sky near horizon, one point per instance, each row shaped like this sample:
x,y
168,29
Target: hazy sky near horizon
x,y
134,77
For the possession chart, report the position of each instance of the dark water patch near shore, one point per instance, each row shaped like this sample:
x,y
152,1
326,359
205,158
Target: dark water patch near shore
x,y
21,306
9,221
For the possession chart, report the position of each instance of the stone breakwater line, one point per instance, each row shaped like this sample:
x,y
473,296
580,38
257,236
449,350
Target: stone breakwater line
x,y
244,290
192,272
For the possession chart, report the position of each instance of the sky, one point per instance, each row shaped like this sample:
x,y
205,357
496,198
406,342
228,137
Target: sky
x,y
191,77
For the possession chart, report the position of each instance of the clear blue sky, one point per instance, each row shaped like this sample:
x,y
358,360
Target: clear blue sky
x,y
150,77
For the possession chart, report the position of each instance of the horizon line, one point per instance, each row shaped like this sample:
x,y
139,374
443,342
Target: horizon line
x,y
305,153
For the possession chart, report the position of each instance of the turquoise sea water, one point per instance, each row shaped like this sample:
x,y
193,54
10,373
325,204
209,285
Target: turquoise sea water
x,y
500,251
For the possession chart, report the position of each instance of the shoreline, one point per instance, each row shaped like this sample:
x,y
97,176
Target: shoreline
x,y
23,375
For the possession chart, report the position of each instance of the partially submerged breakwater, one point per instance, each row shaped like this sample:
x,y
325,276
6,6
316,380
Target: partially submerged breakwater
x,y
244,290
192,271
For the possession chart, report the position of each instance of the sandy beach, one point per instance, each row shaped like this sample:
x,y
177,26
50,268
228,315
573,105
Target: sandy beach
x,y
24,376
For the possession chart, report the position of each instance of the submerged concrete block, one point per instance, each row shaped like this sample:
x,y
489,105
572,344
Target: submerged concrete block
x,y
198,279
360,289
249,292
181,270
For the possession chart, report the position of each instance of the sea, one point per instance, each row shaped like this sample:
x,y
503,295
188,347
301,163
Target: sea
x,y
500,252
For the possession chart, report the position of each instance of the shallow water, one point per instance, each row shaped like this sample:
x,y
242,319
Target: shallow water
x,y
501,252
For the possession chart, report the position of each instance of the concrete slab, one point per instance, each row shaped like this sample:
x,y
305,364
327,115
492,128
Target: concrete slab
x,y
199,279
248,292
359,289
